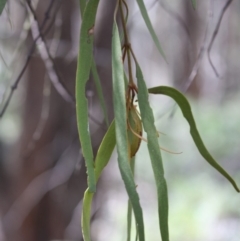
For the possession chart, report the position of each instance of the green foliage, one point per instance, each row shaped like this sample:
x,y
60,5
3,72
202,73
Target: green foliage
x,y
149,26
119,101
2,5
103,156
194,3
126,130
83,71
187,113
154,152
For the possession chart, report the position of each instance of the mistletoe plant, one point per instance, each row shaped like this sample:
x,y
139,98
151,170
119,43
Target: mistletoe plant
x,y
125,132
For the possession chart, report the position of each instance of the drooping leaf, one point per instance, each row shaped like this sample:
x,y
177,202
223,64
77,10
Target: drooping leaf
x,y
103,156
95,75
129,210
129,220
154,152
187,113
2,5
146,18
85,57
121,129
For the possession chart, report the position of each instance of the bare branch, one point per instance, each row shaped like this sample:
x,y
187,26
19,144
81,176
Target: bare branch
x,y
195,68
215,34
47,58
29,56
46,98
202,50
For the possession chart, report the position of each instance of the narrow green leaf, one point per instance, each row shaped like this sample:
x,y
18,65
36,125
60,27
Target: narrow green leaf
x,y
121,129
96,76
82,4
154,152
86,215
146,18
105,150
187,113
129,210
85,57
2,5
99,91
129,220
103,156
194,4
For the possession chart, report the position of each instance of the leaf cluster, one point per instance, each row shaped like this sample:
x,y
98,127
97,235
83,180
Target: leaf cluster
x,y
125,132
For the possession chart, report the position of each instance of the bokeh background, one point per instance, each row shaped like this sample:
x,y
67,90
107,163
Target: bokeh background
x,y
42,173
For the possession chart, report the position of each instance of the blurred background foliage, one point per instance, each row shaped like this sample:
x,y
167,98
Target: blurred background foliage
x,y
42,175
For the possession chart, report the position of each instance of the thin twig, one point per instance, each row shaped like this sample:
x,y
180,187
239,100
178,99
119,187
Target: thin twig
x,y
181,22
199,57
29,56
47,58
195,68
215,34
46,97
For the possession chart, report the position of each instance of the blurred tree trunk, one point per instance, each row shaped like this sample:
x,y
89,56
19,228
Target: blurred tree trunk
x,y
53,211
190,49
193,24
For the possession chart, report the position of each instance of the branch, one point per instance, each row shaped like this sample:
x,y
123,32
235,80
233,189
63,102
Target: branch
x,y
47,58
215,34
29,56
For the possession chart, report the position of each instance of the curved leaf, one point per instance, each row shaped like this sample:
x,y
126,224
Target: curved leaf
x,y
96,78
103,156
85,57
121,129
154,152
187,113
146,18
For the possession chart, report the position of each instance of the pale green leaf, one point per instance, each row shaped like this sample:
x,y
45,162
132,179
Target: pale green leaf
x,y
154,152
105,150
129,210
85,57
96,76
121,129
86,215
146,18
103,156
187,113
